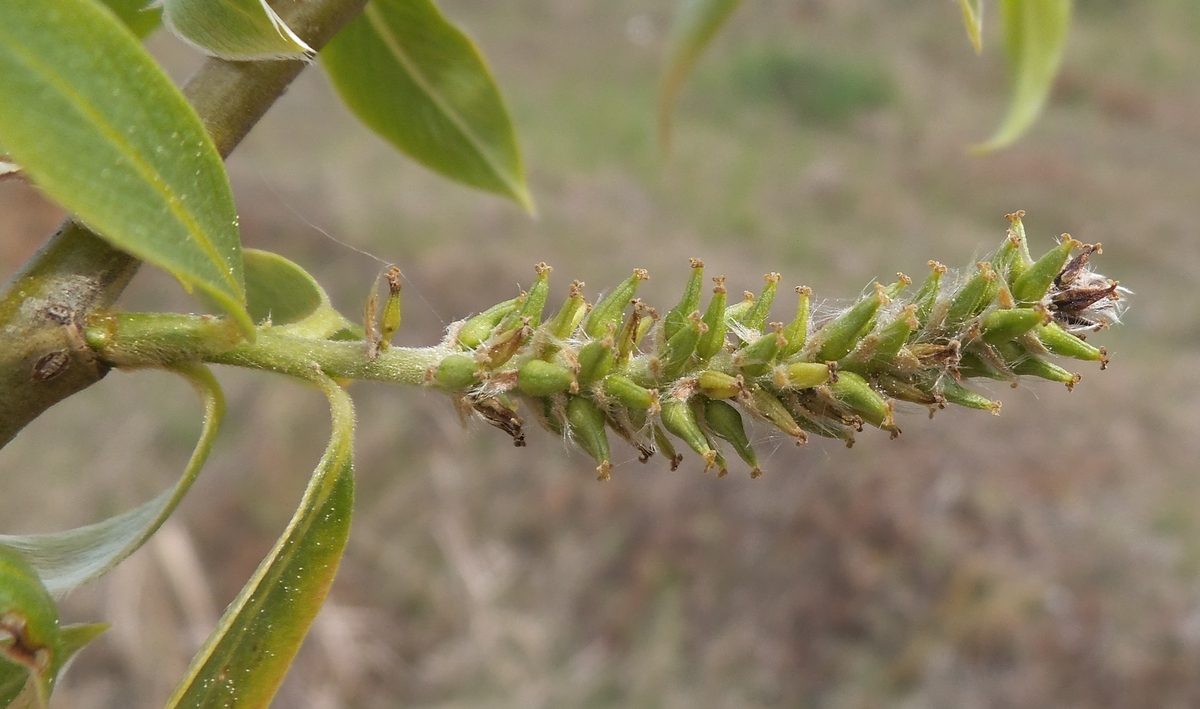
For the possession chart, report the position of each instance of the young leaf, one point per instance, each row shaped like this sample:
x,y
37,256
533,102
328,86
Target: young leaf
x,y
247,655
20,691
65,560
419,82
1035,32
98,126
29,634
972,11
696,23
140,16
238,30
280,291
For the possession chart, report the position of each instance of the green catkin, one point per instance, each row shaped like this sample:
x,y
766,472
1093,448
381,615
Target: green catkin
x,y
611,310
477,329
679,418
677,317
725,421
540,378
756,317
713,339
796,333
1035,282
837,337
581,372
1003,325
587,420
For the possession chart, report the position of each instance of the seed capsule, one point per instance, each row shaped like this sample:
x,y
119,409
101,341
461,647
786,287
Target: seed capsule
x,y
1065,344
631,333
837,337
628,393
535,301
1033,284
678,315
564,322
756,317
596,360
478,328
678,351
815,423
1024,364
1012,258
796,333
501,346
769,407
389,322
882,347
725,421
664,446
737,311
457,372
713,339
973,298
956,393
719,385
927,296
802,375
611,310
586,420
904,390
1005,325
540,378
755,358
680,420
854,391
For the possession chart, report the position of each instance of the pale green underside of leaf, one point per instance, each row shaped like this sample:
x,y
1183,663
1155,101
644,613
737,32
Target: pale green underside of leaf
x,y
96,124
249,652
972,12
137,16
1035,33
68,559
233,29
696,23
419,82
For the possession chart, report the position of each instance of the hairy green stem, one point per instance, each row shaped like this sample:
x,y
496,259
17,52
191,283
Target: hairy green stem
x,y
43,356
135,340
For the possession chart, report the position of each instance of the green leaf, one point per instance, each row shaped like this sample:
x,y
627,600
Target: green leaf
x,y
233,29
138,15
972,11
696,23
1035,32
30,643
247,655
68,559
420,83
280,291
99,127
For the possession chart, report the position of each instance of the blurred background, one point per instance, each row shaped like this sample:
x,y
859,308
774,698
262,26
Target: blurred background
x,y
1046,557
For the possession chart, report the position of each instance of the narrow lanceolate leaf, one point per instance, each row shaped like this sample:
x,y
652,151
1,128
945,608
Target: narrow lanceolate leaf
x,y
98,126
68,559
972,11
696,23
140,16
1035,32
247,655
419,82
233,29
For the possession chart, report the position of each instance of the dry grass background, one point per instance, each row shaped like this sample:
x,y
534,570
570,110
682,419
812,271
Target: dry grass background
x,y
1048,557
